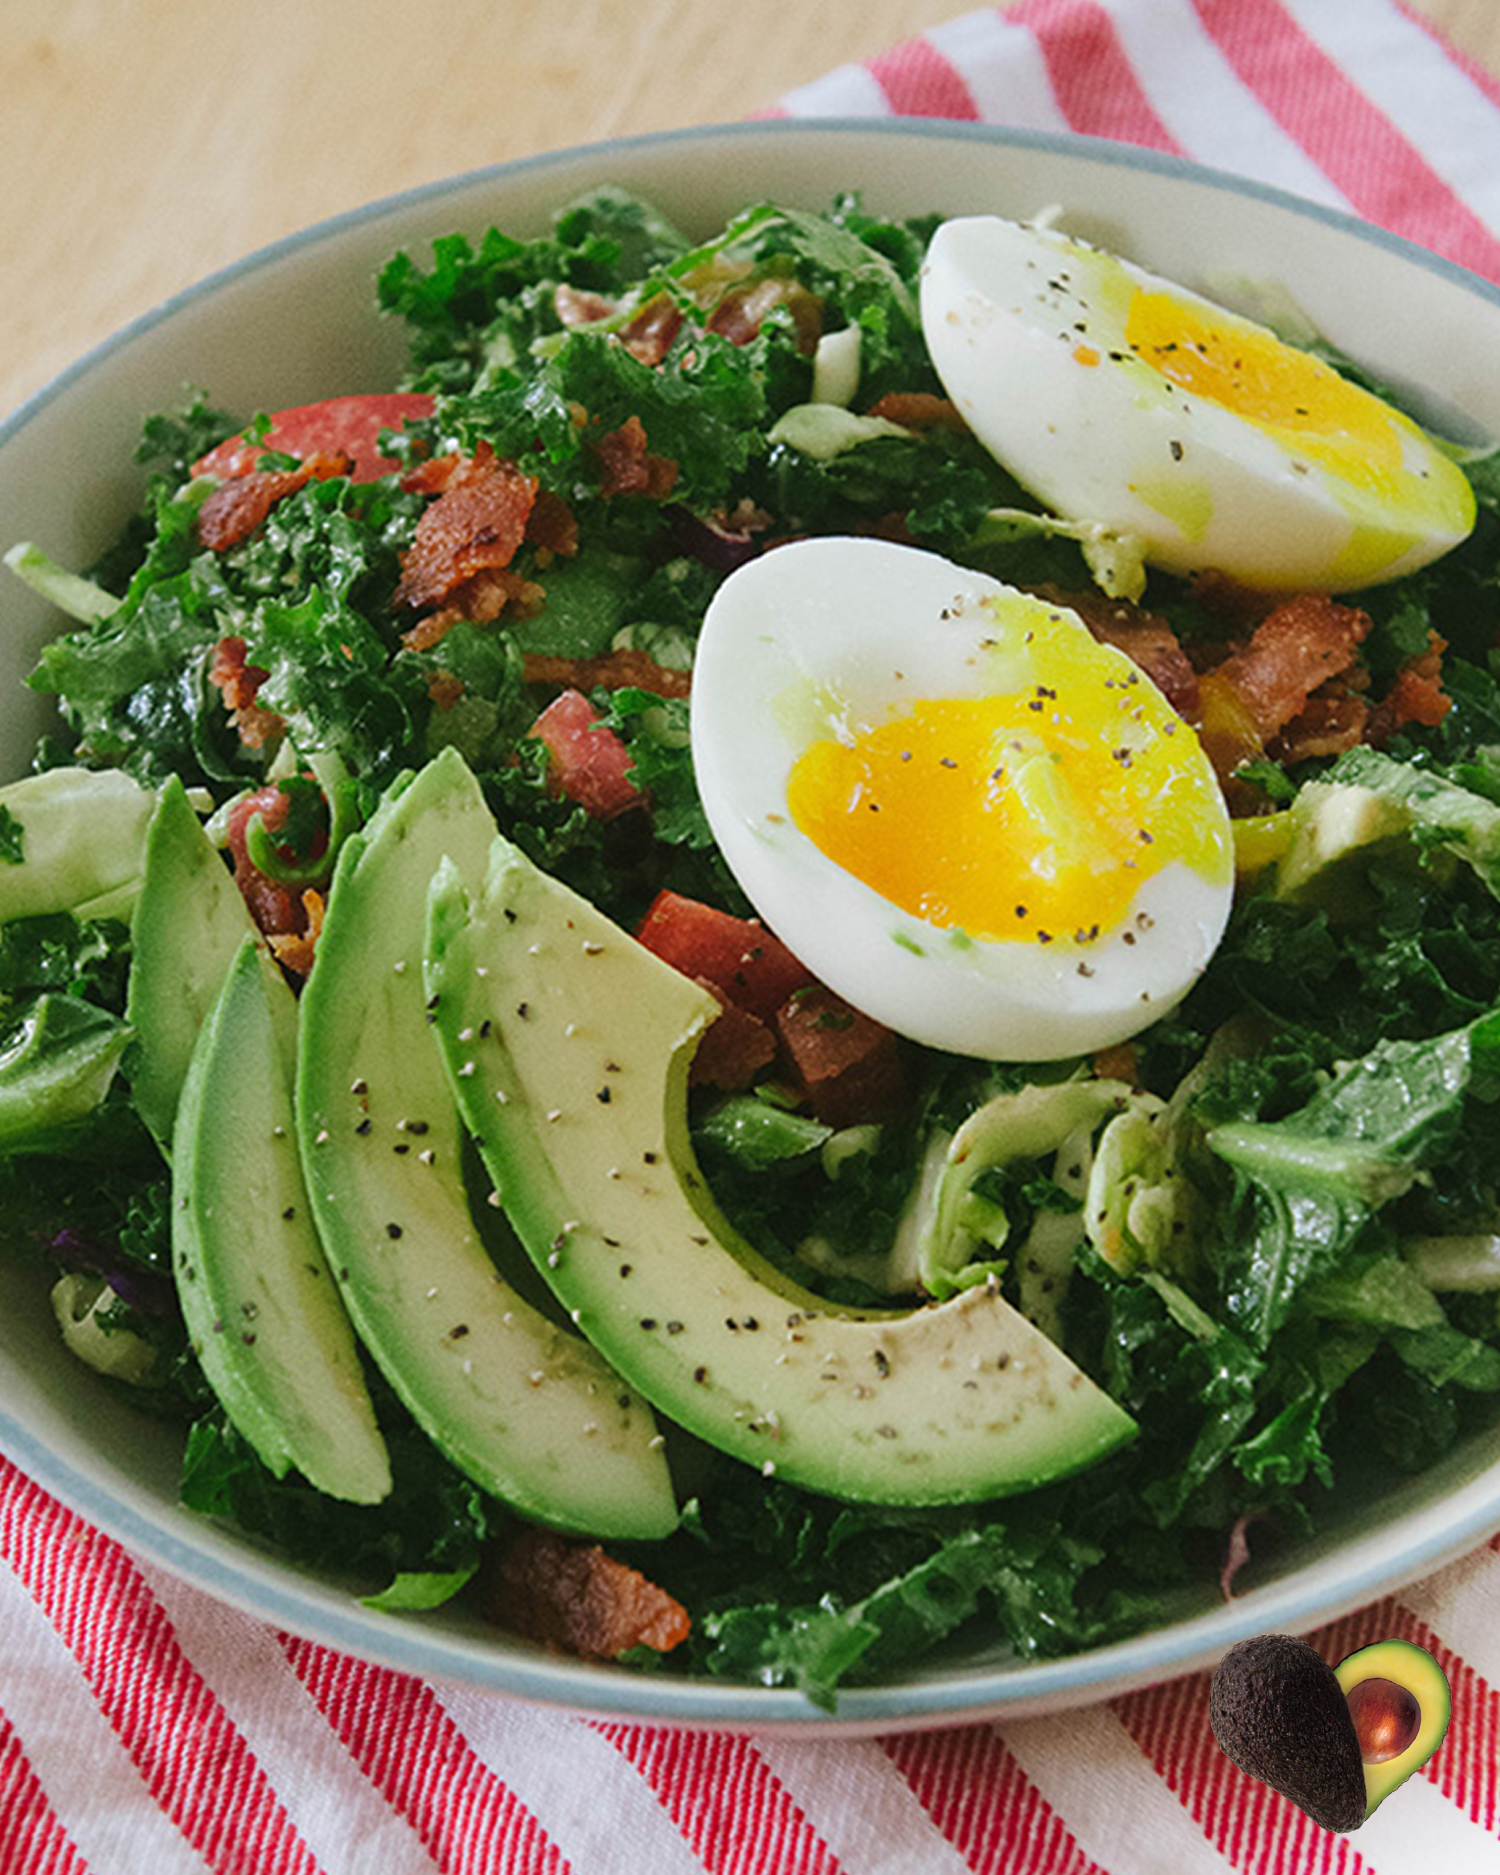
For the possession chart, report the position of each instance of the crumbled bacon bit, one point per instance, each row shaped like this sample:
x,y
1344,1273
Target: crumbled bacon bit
x,y
734,1047
1146,639
918,410
626,467
239,682
552,527
849,1065
238,506
294,950
613,670
1294,650
432,475
576,307
649,331
480,599
444,689
1416,695
1118,1063
476,524
1239,609
741,310
1333,720
576,1598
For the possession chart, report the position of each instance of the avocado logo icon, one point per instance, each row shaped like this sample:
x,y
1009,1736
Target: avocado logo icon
x,y
1335,1740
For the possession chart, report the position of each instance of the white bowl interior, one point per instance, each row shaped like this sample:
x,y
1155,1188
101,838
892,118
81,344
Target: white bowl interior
x,y
298,322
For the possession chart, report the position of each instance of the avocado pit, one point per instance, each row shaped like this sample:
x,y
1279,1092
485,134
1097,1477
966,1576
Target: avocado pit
x,y
1387,1717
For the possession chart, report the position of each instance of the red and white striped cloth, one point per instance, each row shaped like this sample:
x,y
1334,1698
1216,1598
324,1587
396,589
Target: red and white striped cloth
x,y
144,1727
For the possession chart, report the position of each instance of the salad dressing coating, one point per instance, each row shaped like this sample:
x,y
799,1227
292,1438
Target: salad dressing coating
x,y
597,426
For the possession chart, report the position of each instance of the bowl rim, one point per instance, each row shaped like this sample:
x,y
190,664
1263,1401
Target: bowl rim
x,y
243,1576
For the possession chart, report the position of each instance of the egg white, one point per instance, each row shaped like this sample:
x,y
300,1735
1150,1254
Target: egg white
x,y
831,636
1026,328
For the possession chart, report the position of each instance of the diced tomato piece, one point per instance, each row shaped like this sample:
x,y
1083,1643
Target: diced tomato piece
x,y
275,908
590,764
336,426
849,1064
737,956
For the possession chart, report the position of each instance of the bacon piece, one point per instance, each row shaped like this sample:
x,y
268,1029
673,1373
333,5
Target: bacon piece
x,y
649,331
918,410
1146,639
741,310
849,1064
475,524
626,467
734,1048
444,689
614,670
552,526
576,307
480,599
239,682
238,506
1118,1063
1239,609
1334,719
295,950
738,956
1416,695
1294,650
576,1598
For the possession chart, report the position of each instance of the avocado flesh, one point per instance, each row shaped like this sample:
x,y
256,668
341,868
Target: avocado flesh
x,y
259,1301
568,1046
1415,1669
527,1410
188,922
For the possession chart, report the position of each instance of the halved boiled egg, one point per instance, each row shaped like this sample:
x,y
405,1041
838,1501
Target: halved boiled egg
x,y
1116,397
977,823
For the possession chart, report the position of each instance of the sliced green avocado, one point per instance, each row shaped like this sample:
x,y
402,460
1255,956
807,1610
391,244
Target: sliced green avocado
x,y
187,925
260,1305
521,1405
1334,829
1400,1703
568,1045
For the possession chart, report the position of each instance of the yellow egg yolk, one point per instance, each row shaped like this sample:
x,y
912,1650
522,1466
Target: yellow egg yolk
x,y
1031,816
1287,392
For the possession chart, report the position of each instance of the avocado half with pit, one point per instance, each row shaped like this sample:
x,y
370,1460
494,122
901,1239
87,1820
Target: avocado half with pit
x,y
1400,1702
1334,1740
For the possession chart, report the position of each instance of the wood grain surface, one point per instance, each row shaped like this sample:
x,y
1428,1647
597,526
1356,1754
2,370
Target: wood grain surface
x,y
148,142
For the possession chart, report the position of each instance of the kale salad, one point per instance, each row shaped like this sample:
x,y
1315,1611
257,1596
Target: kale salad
x,y
1263,1229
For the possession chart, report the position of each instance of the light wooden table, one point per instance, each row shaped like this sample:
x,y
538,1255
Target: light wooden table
x,y
145,143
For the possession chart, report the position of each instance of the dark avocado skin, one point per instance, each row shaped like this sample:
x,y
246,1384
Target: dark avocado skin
x,y
1415,1669
1280,1714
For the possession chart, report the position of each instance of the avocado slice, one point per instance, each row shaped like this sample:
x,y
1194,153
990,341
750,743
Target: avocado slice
x,y
568,1046
1400,1701
261,1307
525,1408
187,925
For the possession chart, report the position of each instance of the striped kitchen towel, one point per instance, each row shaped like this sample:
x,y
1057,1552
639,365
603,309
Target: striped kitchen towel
x,y
146,1728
